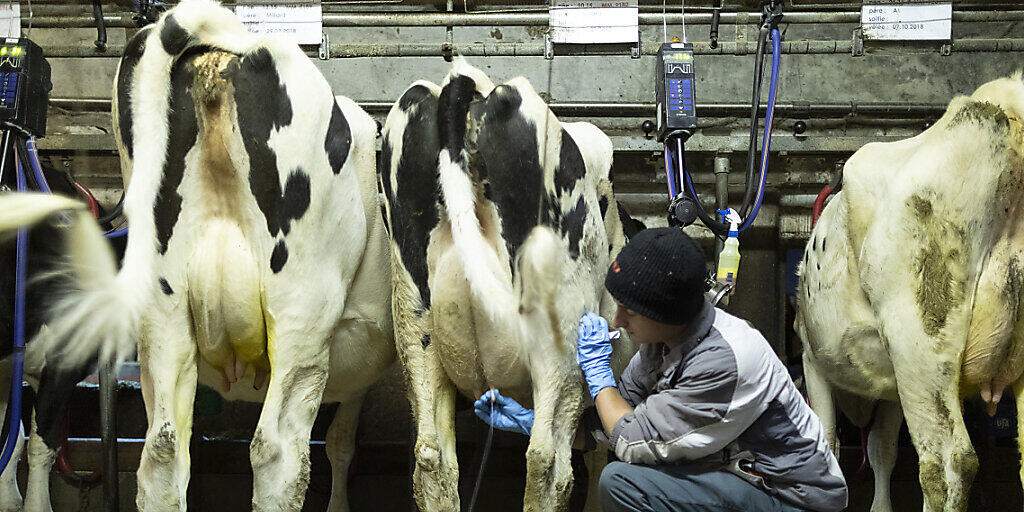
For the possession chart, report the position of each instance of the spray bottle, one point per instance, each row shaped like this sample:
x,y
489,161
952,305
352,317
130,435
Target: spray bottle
x,y
729,258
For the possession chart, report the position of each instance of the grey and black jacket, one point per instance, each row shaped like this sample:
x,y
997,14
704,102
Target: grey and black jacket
x,y
723,386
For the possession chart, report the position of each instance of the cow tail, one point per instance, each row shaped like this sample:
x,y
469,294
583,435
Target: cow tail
x,y
488,280
93,312
539,268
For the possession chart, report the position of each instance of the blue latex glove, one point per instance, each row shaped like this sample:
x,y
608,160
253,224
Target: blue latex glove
x,y
504,413
594,352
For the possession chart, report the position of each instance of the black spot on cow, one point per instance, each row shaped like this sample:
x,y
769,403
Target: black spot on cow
x,y
572,226
814,243
172,36
166,287
125,72
454,103
508,149
630,226
294,201
823,243
338,140
603,205
183,129
425,340
414,208
263,105
279,257
570,166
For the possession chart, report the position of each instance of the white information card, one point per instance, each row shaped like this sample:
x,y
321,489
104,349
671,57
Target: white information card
x,y
303,23
922,22
592,22
10,19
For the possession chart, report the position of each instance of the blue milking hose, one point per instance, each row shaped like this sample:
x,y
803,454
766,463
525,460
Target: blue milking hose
x,y
670,155
21,264
769,117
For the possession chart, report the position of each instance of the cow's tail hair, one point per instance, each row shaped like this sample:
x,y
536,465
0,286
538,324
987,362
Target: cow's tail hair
x,y
96,310
479,260
539,267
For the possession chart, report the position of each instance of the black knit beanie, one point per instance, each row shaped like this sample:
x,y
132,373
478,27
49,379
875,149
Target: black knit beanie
x,y
660,274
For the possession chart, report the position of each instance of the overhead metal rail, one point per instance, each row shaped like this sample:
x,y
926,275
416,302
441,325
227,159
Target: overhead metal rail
x,y
394,19
587,109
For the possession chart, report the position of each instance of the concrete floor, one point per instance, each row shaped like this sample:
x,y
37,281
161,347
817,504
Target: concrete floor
x,y
383,485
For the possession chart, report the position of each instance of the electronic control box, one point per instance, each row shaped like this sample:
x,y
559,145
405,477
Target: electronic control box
x,y
24,85
676,105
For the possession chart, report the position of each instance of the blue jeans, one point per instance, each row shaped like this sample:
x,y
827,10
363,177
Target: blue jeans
x,y
633,488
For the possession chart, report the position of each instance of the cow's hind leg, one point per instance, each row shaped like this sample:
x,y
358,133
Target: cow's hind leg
x,y
882,448
927,384
341,447
557,399
432,395
435,478
10,497
1018,393
819,395
40,465
279,452
167,363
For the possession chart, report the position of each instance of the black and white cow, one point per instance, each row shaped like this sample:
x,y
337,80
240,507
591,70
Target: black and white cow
x,y
502,222
53,384
257,246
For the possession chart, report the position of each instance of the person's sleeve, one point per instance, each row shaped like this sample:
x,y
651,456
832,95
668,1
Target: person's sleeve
x,y
711,405
635,383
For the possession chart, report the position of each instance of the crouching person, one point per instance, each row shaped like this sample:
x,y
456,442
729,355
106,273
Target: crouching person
x,y
705,416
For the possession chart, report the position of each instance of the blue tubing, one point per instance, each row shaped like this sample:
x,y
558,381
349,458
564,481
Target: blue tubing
x,y
37,169
769,117
116,233
668,174
21,264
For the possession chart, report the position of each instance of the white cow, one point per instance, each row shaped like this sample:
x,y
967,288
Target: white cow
x,y
256,245
502,220
910,290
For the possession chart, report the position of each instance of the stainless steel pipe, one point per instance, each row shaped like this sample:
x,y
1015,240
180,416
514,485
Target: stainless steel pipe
x,y
584,109
418,19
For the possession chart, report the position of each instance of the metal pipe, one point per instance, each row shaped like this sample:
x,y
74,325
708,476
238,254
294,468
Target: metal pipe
x,y
797,200
122,20
536,49
108,431
721,190
418,19
586,109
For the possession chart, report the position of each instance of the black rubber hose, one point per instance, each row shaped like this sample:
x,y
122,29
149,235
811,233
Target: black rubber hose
x,y
101,26
748,194
715,17
720,229
114,213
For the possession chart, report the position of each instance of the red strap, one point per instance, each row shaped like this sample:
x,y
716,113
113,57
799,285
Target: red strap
x,y
819,204
94,206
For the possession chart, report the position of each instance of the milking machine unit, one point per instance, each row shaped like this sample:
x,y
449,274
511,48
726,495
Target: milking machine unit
x,y
677,122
